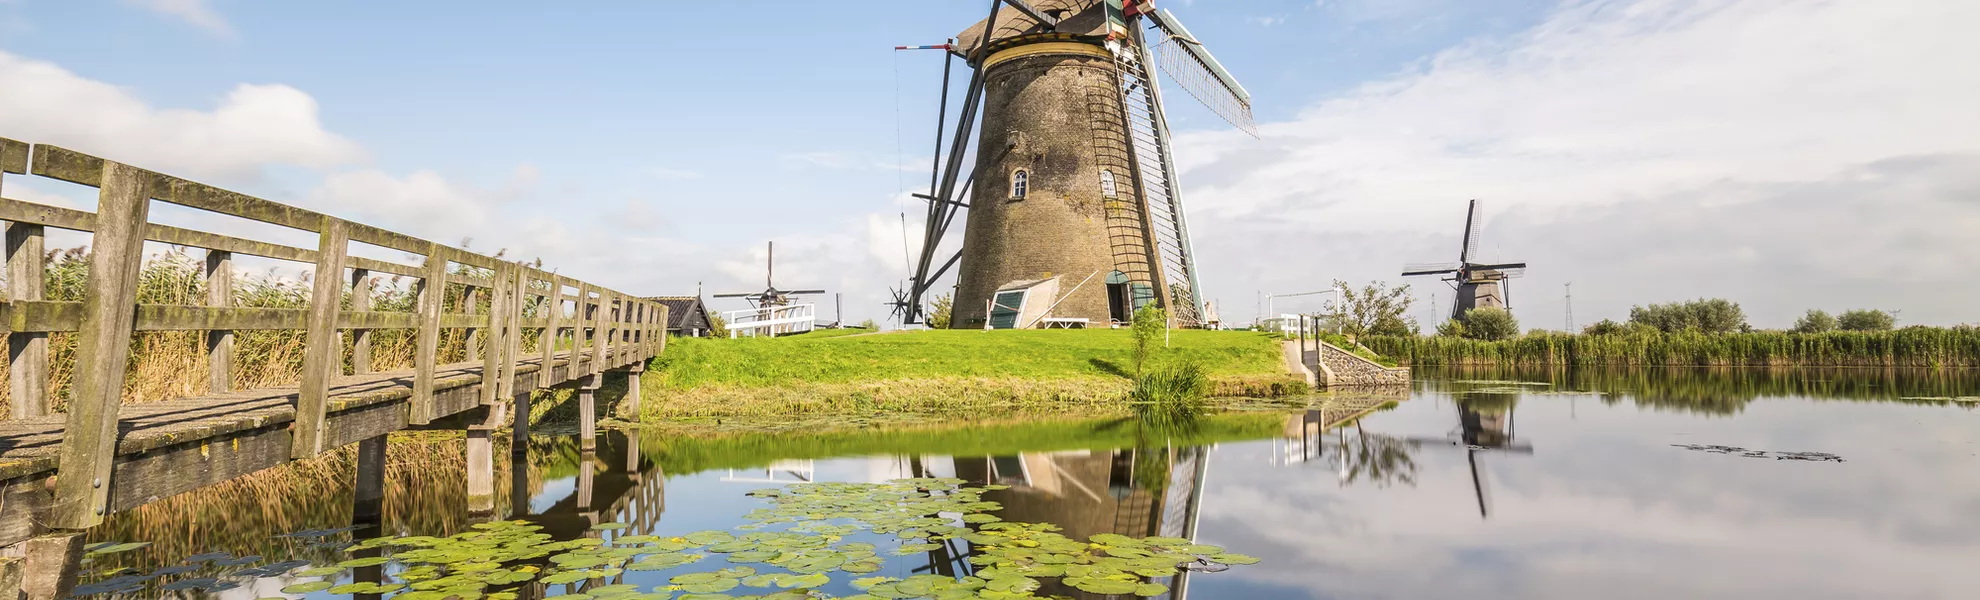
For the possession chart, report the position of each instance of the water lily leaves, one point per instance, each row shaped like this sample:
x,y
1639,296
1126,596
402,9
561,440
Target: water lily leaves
x,y
693,578
1150,590
732,546
366,587
718,585
1234,559
614,590
610,526
907,549
372,561
1013,584
564,577
238,562
861,566
320,572
195,583
1102,586
304,588
703,538
655,562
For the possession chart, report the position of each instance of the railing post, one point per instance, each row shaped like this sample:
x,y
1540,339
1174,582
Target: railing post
x,y
600,332
27,352
322,358
512,351
220,342
103,346
495,339
471,304
360,338
432,298
553,301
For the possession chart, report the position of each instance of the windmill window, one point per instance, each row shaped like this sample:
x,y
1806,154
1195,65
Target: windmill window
x,y
1020,183
1107,187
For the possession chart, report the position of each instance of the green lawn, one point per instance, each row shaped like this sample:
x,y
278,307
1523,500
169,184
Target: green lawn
x,y
919,371
1029,353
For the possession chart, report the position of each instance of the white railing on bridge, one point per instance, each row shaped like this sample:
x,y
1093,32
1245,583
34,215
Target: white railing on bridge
x,y
771,320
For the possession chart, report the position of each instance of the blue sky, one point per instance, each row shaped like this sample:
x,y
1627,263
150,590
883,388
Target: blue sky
x,y
655,145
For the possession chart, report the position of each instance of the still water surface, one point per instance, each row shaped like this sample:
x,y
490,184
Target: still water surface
x,y
1661,484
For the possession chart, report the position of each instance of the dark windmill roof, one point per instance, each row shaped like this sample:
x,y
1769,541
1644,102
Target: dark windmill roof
x,y
1076,18
684,312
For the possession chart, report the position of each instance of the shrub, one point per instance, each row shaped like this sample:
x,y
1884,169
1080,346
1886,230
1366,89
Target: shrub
x,y
1713,315
1866,320
1150,321
1604,327
1490,324
938,315
1816,321
1451,328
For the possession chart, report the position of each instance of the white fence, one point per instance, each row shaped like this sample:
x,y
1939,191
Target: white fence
x,y
771,320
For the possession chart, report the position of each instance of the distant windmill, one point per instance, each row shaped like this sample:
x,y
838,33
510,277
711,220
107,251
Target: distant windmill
x,y
770,296
1479,285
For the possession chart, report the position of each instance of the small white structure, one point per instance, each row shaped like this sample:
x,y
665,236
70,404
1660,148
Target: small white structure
x,y
1021,304
771,320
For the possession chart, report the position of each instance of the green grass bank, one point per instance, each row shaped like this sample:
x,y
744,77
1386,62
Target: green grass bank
x,y
1926,347
943,371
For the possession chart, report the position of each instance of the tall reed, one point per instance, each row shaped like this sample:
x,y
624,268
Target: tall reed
x,y
1908,347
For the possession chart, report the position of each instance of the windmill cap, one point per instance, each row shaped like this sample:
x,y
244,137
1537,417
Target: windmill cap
x,y
1077,18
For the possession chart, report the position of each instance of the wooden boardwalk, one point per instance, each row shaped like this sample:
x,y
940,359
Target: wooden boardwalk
x,y
65,471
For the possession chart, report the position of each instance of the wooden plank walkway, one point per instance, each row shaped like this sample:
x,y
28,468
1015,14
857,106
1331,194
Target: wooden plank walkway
x,y
66,471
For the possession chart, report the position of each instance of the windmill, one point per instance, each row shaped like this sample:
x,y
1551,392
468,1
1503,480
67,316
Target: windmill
x,y
1073,192
770,297
1479,285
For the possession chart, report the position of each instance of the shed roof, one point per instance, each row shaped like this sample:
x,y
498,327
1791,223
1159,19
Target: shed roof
x,y
684,312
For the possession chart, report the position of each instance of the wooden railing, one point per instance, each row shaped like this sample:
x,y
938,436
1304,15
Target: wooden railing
x,y
616,328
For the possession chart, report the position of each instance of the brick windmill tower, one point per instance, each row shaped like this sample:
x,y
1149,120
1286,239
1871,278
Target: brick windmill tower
x,y
1074,208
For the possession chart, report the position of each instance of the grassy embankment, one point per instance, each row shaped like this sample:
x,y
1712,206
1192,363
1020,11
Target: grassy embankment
x,y
1909,347
951,372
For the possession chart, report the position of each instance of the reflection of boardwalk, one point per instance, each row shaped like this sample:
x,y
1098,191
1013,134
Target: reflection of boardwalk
x,y
1304,433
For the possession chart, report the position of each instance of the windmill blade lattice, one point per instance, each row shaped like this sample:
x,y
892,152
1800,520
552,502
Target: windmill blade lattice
x,y
1190,64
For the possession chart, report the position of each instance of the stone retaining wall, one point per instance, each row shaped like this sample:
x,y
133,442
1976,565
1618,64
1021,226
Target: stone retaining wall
x,y
1340,368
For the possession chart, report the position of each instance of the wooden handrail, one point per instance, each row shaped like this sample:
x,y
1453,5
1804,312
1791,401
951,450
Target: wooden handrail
x,y
607,329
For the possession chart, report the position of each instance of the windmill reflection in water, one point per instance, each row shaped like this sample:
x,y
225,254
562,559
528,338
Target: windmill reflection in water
x,y
1485,425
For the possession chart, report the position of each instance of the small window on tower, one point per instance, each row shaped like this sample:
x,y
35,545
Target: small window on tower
x,y
1107,184
1020,183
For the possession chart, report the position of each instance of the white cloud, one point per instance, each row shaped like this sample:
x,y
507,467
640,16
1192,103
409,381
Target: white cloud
x,y
198,13
1677,109
1265,21
254,126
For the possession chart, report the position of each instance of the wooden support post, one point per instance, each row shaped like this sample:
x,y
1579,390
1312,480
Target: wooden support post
x,y
480,470
51,564
519,432
27,351
587,466
370,485
432,296
588,413
103,346
322,360
360,338
629,408
512,340
220,342
601,333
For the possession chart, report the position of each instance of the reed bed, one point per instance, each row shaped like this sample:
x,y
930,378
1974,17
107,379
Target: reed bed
x,y
425,494
1928,347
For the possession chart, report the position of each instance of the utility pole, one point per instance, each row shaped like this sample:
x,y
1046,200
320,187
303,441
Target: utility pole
x,y
1570,306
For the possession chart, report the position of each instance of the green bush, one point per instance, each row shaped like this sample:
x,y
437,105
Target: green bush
x,y
1490,324
1866,320
1816,321
1908,347
1713,315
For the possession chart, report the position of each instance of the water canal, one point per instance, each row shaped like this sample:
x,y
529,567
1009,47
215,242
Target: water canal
x,y
1649,484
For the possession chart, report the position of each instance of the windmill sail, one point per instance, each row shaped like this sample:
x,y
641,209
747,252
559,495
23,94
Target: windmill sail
x,y
1190,64
1162,198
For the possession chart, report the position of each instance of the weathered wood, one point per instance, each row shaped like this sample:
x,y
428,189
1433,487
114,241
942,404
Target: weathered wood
x,y
519,431
471,306
103,346
51,564
322,360
512,356
629,407
553,304
588,414
360,337
219,342
27,351
432,295
13,157
601,331
480,453
494,338
10,577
